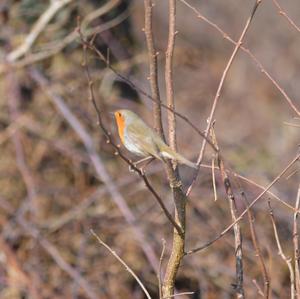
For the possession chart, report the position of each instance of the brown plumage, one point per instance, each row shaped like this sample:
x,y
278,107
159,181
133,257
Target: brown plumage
x,y
143,141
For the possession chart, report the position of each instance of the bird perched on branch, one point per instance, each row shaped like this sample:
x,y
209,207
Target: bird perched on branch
x,y
143,141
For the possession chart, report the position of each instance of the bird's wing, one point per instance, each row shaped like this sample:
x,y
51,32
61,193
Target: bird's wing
x,y
141,136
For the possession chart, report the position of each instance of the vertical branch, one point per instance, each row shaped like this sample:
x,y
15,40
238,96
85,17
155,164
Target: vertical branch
x,y
179,197
153,76
238,286
159,269
257,249
286,259
296,245
169,74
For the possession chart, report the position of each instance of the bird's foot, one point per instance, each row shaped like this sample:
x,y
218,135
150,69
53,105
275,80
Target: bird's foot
x,y
130,168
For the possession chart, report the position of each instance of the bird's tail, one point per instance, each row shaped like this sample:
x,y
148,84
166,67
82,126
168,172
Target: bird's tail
x,y
179,158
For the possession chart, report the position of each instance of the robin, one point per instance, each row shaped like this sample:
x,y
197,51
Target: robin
x,y
143,141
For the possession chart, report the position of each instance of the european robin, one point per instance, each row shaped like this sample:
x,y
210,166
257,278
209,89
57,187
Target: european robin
x,y
143,141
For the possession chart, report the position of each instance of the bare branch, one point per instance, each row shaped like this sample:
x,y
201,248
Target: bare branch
x,y
249,53
169,74
259,291
148,96
296,244
284,14
123,263
214,178
37,29
238,287
110,140
228,228
219,89
251,182
159,274
286,259
55,47
153,75
98,164
258,253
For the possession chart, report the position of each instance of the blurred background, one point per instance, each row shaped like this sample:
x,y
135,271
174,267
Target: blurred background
x,y
59,178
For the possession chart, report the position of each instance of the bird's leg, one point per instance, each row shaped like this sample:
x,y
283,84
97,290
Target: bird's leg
x,y
150,158
143,160
147,163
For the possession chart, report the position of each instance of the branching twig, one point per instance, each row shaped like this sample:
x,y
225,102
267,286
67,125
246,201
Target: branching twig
x,y
110,140
228,228
148,96
123,263
219,89
252,183
55,47
238,286
286,259
284,14
98,165
247,51
38,27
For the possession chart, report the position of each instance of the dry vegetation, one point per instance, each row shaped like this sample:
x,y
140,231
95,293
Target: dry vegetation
x,y
76,223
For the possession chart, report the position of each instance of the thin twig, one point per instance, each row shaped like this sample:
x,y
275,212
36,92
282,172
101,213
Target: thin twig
x,y
179,198
37,29
214,178
238,286
179,294
259,290
286,259
148,96
296,244
219,89
123,263
55,47
248,52
169,74
258,252
291,124
251,182
159,274
153,74
228,228
284,14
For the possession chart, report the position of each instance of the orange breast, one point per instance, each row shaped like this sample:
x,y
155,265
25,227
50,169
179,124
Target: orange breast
x,y
121,125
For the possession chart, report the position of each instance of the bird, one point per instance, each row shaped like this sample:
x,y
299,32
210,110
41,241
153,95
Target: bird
x,y
143,141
